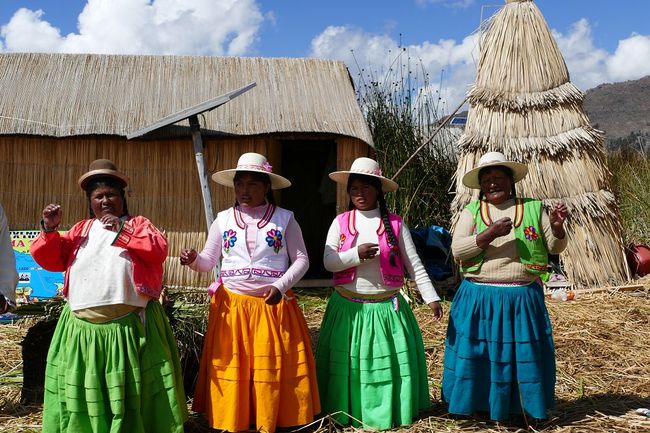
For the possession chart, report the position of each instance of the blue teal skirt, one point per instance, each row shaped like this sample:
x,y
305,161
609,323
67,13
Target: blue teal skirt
x,y
499,352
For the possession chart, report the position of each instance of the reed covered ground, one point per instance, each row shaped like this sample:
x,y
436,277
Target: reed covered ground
x,y
603,363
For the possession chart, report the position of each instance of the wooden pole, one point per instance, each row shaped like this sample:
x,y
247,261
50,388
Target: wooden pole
x,y
200,166
197,142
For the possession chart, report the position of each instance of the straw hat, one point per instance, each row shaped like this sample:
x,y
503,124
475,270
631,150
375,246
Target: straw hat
x,y
251,162
102,167
494,159
366,167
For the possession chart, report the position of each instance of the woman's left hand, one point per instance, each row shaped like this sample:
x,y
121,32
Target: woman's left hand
x,y
437,310
272,296
557,217
111,222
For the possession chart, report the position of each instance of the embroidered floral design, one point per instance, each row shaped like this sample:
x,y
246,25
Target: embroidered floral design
x,y
342,239
530,233
274,239
229,239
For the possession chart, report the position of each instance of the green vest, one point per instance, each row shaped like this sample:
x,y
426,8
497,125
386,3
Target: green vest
x,y
528,235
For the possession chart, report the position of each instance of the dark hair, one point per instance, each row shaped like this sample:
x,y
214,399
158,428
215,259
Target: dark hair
x,y
257,177
383,210
106,181
505,170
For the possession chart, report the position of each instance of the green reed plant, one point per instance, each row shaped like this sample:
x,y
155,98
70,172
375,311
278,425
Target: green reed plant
x,y
631,184
403,109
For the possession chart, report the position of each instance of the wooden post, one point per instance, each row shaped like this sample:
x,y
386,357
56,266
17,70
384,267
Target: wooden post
x,y
200,166
197,141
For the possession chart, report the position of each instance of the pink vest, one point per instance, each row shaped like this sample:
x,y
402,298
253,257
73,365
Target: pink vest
x,y
392,276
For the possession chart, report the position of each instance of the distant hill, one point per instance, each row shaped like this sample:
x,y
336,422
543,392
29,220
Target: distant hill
x,y
620,109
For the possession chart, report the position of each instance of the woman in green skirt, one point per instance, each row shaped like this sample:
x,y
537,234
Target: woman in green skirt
x,y
370,358
113,363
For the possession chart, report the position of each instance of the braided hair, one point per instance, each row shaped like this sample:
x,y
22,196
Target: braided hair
x,y
503,169
393,243
110,182
257,177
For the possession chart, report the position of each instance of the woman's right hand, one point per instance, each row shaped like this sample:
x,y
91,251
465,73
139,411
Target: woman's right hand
x,y
498,228
367,251
188,255
501,227
51,216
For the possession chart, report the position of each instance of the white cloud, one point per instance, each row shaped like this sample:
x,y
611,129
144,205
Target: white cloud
x,y
631,59
590,66
380,55
455,61
190,27
27,32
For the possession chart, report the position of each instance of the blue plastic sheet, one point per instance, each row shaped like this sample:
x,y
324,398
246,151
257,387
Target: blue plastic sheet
x,y
433,245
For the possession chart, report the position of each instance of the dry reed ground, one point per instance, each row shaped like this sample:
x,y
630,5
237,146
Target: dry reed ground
x,y
603,364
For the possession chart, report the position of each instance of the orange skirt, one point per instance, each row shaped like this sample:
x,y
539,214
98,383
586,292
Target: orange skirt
x,y
257,366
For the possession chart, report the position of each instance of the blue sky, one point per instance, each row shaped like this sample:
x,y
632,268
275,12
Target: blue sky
x,y
602,40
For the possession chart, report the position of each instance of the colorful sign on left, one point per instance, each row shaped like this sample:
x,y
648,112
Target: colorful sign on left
x,y
34,283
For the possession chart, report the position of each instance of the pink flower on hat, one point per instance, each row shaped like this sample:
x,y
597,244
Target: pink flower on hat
x,y
266,166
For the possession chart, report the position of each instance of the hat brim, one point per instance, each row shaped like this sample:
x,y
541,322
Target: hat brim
x,y
341,177
519,171
226,178
86,177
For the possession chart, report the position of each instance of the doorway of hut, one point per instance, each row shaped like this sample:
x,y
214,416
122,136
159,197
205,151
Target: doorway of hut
x,y
312,196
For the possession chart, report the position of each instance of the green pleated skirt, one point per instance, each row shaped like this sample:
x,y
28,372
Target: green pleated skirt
x,y
121,376
370,363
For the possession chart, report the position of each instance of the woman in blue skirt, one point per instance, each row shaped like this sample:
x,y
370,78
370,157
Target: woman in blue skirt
x,y
499,353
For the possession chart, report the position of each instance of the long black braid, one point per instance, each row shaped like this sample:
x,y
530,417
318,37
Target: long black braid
x,y
393,243
258,177
505,170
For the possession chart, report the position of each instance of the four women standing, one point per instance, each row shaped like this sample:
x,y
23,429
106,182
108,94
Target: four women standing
x,y
113,363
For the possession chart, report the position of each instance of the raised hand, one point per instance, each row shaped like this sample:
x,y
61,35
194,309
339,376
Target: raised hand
x,y
557,217
110,222
52,216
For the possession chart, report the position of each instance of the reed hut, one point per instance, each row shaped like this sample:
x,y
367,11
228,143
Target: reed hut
x,y
58,112
524,105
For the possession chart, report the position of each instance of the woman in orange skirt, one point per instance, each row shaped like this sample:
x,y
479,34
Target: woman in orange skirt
x,y
257,368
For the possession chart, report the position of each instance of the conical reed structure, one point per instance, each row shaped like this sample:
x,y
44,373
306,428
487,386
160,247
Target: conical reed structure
x,y
524,105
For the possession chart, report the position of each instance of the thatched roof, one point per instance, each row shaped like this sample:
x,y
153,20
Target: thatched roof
x,y
81,94
524,105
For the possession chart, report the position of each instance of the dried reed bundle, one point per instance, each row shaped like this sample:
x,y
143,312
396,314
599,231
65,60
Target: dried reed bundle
x,y
567,93
524,105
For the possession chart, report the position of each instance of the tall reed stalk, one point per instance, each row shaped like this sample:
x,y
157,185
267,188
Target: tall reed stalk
x,y
402,109
631,184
